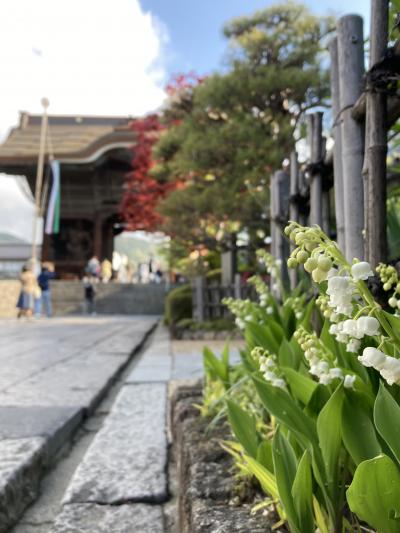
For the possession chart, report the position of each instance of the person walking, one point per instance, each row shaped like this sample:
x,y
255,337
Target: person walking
x,y
27,293
47,273
90,293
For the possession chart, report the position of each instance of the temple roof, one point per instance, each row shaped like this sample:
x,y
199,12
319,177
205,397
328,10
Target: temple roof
x,y
71,139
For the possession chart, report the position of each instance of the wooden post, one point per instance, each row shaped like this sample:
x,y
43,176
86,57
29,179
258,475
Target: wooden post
x,y
237,286
198,299
280,210
39,179
294,208
316,211
351,69
376,143
337,149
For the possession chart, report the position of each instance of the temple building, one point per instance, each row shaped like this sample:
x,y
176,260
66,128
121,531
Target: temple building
x,y
95,155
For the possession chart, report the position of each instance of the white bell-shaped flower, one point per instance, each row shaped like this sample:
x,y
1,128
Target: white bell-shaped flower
x,y
336,372
372,357
391,370
349,381
325,379
367,325
350,328
353,345
361,270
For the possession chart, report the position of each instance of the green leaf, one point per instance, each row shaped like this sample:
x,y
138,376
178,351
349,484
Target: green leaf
x,y
279,404
306,321
289,321
358,430
244,427
262,336
374,494
264,454
287,355
394,321
264,476
330,438
225,355
276,331
387,419
303,495
301,387
285,473
215,367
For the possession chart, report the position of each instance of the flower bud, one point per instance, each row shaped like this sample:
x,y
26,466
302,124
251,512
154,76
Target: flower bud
x,y
393,301
324,263
310,246
292,262
310,265
302,256
387,286
319,275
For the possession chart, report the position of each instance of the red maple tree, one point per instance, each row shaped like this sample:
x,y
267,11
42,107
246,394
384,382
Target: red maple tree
x,y
142,192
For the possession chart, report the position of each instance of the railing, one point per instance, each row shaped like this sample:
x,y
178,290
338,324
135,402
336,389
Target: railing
x,y
207,297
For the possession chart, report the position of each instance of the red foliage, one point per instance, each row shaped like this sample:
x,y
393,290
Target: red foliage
x,y
142,192
179,82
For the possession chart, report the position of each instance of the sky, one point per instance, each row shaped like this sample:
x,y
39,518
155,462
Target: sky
x,y
109,57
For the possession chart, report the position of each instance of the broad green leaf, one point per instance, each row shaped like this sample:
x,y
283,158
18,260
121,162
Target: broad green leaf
x,y
318,399
358,430
225,355
387,419
287,355
264,454
374,494
285,473
289,321
301,387
306,321
264,476
277,332
303,495
279,404
262,336
394,321
330,438
244,427
248,362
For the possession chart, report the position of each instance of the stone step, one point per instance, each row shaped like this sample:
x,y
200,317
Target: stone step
x,y
125,467
41,414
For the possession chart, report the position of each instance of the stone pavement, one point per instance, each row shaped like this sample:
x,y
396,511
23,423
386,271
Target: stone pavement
x,y
122,480
53,374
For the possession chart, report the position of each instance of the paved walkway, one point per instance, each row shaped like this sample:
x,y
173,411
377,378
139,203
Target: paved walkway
x,y
53,374
56,372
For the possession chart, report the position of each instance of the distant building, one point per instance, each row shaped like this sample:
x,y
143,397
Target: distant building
x,y
94,153
14,253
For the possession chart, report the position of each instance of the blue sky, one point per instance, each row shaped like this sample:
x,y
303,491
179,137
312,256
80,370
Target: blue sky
x,y
194,27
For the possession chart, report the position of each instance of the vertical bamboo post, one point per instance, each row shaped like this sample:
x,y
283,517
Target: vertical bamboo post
x,y
294,207
376,143
337,150
281,211
351,69
39,179
316,178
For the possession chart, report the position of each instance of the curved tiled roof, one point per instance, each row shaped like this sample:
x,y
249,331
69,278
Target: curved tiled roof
x,y
71,138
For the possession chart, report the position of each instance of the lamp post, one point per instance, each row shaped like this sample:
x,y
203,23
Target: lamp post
x,y
39,178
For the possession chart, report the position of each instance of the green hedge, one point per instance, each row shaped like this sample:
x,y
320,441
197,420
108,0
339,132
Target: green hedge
x,y
178,305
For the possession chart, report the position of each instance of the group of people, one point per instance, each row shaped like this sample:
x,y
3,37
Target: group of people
x,y
35,291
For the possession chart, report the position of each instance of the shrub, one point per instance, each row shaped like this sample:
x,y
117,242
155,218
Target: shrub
x,y
178,305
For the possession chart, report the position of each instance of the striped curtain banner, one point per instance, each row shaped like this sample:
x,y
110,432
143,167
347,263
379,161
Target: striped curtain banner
x,y
53,210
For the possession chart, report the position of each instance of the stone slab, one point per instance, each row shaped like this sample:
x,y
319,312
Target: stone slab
x,y
127,459
151,370
55,424
91,518
20,472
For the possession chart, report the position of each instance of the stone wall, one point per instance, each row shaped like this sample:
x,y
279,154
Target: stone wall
x,y
111,298
9,291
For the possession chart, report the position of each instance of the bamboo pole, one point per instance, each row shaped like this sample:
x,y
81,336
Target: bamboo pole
x,y
376,143
337,149
351,69
39,180
316,210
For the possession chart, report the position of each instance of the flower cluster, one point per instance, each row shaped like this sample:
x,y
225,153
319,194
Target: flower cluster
x,y
268,367
242,309
390,280
340,291
261,289
389,367
296,303
322,362
272,265
351,331
323,303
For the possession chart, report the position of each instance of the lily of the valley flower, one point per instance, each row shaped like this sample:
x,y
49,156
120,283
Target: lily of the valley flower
x,y
361,270
349,381
372,357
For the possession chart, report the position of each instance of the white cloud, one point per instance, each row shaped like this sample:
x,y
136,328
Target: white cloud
x,y
98,57
86,56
